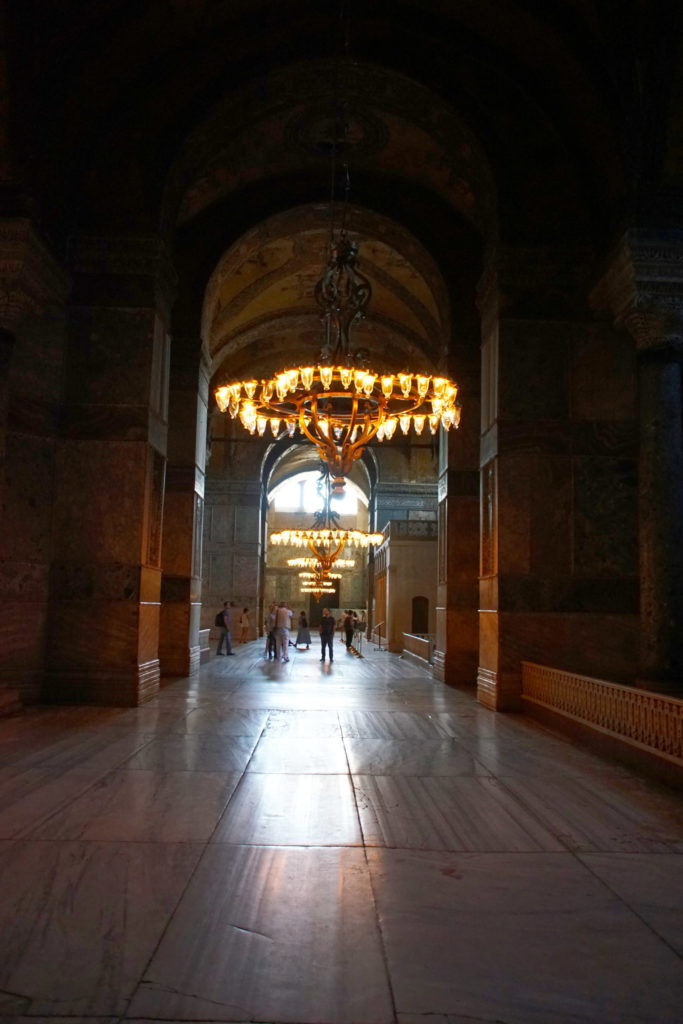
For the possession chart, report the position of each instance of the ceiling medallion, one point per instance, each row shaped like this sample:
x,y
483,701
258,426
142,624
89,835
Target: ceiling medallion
x,y
340,404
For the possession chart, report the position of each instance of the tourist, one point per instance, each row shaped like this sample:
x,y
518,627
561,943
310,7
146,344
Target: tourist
x,y
327,626
283,624
224,635
303,636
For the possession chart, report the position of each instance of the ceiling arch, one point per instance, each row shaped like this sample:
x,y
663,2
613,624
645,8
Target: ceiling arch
x,y
260,311
519,87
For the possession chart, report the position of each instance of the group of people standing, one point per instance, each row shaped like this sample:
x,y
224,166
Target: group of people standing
x,y
225,620
278,627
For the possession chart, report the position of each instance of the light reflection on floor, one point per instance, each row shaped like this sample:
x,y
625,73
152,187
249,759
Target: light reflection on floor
x,y
348,843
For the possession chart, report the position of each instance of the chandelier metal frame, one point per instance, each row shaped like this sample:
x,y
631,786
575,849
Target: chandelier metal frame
x,y
340,404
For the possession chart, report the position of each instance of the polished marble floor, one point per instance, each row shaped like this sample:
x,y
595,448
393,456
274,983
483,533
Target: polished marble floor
x,y
346,844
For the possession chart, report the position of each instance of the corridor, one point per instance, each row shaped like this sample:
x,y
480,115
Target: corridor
x,y
346,844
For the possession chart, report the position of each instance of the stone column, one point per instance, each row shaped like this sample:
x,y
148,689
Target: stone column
x,y
32,301
111,464
456,641
642,288
558,491
184,510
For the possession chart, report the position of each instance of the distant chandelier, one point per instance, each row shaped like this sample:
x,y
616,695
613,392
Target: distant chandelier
x,y
311,563
319,582
326,540
326,544
318,577
340,403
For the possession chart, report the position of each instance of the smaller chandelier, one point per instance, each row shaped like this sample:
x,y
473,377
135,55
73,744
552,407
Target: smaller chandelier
x,y
311,563
318,589
326,539
316,577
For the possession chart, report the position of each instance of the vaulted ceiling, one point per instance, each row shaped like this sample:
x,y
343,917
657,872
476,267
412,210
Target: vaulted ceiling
x,y
467,122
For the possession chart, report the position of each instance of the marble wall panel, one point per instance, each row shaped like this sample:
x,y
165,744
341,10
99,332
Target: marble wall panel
x,y
27,506
183,427
463,546
462,647
22,645
218,523
36,373
99,501
219,573
603,646
567,594
175,654
605,497
603,374
85,581
614,438
489,653
550,515
515,475
148,632
245,579
110,356
247,525
150,584
93,635
178,533
533,370
176,589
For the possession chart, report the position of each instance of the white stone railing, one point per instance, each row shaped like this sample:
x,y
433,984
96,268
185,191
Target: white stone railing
x,y
651,721
419,644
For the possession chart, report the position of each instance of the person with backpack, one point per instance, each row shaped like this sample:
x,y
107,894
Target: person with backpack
x,y
223,624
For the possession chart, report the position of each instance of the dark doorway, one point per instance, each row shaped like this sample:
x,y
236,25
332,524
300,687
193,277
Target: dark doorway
x,y
420,622
317,604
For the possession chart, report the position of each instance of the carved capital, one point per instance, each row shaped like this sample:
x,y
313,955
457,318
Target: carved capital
x,y
30,278
641,289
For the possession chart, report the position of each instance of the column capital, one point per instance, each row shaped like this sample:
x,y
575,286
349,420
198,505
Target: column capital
x,y
641,288
31,279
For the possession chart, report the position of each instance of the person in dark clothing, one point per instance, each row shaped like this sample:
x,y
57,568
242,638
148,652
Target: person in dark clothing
x,y
224,635
327,625
348,628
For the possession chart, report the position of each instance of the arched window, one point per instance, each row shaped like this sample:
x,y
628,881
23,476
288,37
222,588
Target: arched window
x,y
299,493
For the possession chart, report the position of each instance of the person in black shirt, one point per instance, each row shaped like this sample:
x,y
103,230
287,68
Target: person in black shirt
x,y
327,625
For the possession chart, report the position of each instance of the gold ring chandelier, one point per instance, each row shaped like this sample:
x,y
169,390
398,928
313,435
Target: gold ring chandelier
x,y
319,582
325,539
339,403
311,563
